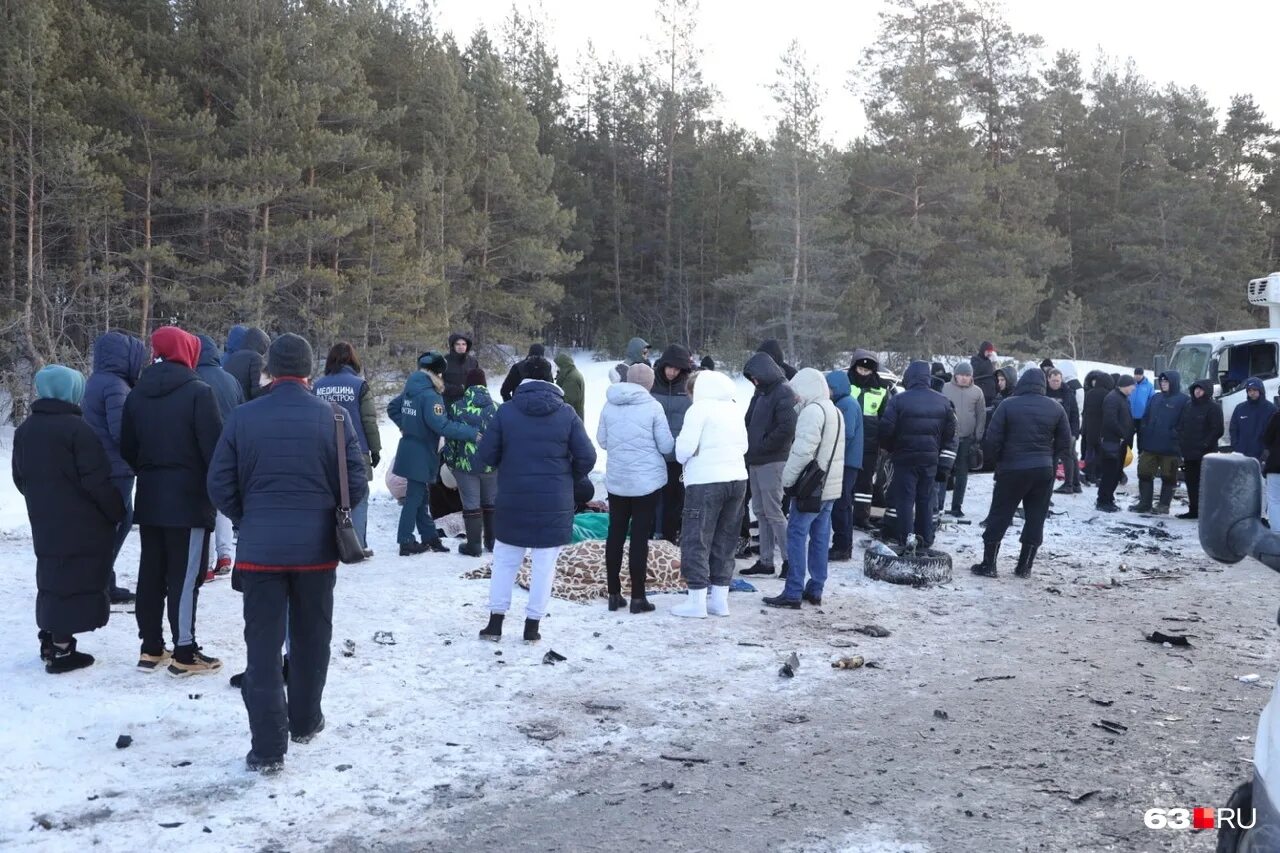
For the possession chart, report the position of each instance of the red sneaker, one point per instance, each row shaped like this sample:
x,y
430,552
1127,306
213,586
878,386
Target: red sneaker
x,y
223,567
210,575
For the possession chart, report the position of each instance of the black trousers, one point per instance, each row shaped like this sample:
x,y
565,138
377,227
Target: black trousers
x,y
911,495
303,601
863,490
171,569
1192,467
1110,466
672,503
636,513
1033,489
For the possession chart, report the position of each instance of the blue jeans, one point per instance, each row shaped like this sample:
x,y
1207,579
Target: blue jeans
x,y
842,513
360,520
415,513
808,535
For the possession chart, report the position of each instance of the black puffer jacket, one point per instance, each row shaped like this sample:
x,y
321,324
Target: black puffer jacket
x,y
456,366
516,374
984,375
247,363
1200,426
860,385
1029,430
919,425
1117,421
169,431
674,396
1097,385
774,350
771,414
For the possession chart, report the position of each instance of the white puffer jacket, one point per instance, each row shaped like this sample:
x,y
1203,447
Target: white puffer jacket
x,y
713,441
813,439
634,432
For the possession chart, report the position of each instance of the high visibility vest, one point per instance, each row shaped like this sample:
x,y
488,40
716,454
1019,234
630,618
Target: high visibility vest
x,y
872,400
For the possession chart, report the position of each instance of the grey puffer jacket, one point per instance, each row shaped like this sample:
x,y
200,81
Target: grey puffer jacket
x,y
634,432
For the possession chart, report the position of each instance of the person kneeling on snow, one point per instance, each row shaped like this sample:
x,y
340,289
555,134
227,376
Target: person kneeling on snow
x,y
65,476
541,449
711,447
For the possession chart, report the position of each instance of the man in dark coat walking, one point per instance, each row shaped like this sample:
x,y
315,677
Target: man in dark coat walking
x,y
62,470
118,360
1097,385
670,389
459,360
1115,433
229,394
516,374
918,428
275,474
984,370
1199,430
170,428
1025,437
771,427
247,363
541,449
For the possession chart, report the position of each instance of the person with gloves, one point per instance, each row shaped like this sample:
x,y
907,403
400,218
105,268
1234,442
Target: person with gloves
x,y
248,362
842,510
918,428
1026,435
478,486
1199,430
1250,418
570,380
1158,442
343,384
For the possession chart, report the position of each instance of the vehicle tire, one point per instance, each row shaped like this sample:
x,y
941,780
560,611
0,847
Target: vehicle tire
x,y
1229,837
922,568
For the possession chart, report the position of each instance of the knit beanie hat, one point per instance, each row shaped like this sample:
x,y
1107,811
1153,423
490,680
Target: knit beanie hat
x,y
539,368
537,350
55,382
1125,381
173,344
963,368
475,376
1047,364
708,363
290,355
431,361
641,374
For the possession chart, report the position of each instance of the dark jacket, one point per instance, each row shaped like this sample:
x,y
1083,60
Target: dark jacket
x,y
235,340
1029,430
1200,426
872,393
275,475
349,390
1159,432
118,360
570,380
774,350
1065,397
1097,385
771,414
1271,441
170,429
540,449
423,419
476,409
938,376
919,425
516,374
1010,382
226,390
1117,423
1249,421
455,368
984,376
247,363
62,470
674,396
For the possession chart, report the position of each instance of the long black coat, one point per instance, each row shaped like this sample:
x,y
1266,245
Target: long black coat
x,y
1117,421
1097,385
456,367
59,466
1200,425
169,431
984,376
1065,397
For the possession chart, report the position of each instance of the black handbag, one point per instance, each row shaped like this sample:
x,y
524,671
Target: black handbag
x,y
813,478
349,548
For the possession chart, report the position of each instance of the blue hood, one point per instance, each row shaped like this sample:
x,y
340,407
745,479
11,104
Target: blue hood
x,y
209,355
1255,382
538,398
56,382
1175,381
838,382
235,338
120,355
917,375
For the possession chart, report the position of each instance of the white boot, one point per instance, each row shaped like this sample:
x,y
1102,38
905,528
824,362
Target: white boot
x,y
695,607
718,601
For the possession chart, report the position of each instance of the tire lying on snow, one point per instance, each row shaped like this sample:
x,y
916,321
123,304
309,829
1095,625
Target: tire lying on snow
x,y
921,568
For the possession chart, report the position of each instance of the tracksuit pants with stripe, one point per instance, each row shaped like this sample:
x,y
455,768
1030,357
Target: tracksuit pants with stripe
x,y
171,570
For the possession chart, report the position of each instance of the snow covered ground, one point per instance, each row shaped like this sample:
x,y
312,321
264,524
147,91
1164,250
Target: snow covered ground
x,y
431,738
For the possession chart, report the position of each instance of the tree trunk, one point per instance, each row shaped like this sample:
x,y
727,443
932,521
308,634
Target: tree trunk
x,y
617,236
145,310
11,203
261,296
795,258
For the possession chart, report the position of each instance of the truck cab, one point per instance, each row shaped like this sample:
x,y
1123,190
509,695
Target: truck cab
x,y
1229,358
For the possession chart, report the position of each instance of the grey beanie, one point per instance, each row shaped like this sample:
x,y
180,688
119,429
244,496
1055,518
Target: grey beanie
x,y
1125,381
964,368
290,355
641,374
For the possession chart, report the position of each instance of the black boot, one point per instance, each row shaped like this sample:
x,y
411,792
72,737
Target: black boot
x,y
1025,558
758,569
617,602
435,546
1166,496
66,658
839,555
489,529
474,546
987,568
531,634
493,631
46,645
1146,491
412,548
641,605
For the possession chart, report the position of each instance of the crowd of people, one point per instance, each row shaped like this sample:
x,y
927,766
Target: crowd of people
x,y
245,449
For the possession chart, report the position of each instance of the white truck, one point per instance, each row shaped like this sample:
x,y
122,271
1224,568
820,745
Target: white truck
x,y
1230,358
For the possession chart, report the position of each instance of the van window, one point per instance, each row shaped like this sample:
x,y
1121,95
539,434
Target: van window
x,y
1238,363
1192,362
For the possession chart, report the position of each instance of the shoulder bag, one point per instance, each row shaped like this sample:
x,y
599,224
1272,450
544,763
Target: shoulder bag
x,y
349,548
813,478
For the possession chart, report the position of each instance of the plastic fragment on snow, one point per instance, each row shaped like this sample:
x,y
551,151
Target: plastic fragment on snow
x,y
552,657
384,638
124,742
1251,678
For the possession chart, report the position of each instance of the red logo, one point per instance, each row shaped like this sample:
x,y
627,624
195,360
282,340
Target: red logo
x,y
1202,818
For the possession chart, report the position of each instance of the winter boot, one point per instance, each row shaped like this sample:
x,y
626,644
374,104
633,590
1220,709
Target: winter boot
x,y
784,603
785,570
1189,515
987,568
531,634
1065,489
1167,488
1025,558
718,601
150,663
120,595
839,555
435,546
489,530
412,548
1146,491
474,546
46,645
493,631
695,607
311,735
642,605
67,659
812,598
254,763
222,567
760,568
189,660
617,602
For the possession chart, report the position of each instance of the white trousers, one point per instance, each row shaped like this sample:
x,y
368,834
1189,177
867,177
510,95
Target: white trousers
x,y
223,537
1273,500
506,564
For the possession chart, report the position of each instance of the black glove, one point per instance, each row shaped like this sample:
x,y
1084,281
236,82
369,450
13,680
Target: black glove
x,y
376,457
942,476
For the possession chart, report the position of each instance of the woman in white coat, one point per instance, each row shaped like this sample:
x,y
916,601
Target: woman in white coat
x,y
634,432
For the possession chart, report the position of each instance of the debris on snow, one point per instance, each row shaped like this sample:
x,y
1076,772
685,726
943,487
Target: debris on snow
x,y
384,638
789,668
124,742
1168,639
854,662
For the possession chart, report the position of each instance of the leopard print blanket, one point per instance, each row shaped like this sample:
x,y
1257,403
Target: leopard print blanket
x,y
581,576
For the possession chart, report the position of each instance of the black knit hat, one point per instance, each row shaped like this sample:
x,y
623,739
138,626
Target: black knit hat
x,y
708,363
536,367
537,350
290,355
475,376
1125,381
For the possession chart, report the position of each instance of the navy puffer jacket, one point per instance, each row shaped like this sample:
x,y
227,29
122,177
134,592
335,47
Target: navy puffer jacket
x,y
247,363
919,425
771,414
1159,431
118,360
540,448
1029,430
275,475
226,390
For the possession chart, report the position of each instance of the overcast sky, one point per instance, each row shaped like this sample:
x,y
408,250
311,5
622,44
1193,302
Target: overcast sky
x,y
1225,47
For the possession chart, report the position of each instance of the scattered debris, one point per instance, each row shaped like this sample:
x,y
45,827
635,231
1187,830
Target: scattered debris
x,y
753,645
183,764
552,657
124,742
795,719
685,759
664,785
873,664
873,631
1170,639
993,678
349,648
171,825
1251,678
854,662
789,668
595,705
941,715
1111,726
384,638
544,731
1106,703
194,695
343,768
